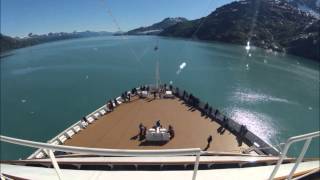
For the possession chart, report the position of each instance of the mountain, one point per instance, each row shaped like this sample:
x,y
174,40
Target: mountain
x,y
311,6
270,24
8,43
157,27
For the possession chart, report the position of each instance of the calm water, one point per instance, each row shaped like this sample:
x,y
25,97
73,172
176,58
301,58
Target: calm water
x,y
46,88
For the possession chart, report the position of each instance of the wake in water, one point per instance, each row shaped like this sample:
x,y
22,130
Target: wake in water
x,y
259,123
253,97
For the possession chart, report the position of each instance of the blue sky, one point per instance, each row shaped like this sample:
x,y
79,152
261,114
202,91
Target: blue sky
x,y
19,17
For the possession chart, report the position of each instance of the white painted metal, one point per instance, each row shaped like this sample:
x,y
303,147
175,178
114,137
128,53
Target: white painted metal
x,y
309,173
79,158
291,140
248,173
105,152
157,75
304,150
76,126
196,167
101,151
55,164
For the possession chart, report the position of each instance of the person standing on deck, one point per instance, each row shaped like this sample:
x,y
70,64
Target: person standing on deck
x,y
141,129
123,97
129,96
171,131
154,95
158,124
110,105
209,140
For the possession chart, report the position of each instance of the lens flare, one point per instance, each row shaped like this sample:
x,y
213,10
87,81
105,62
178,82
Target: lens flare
x,y
181,67
248,46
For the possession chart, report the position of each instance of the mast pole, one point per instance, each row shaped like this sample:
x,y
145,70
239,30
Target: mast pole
x,y
157,75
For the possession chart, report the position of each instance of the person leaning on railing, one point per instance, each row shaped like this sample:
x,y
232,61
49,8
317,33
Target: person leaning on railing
x,y
116,102
123,97
210,111
110,105
84,119
154,94
142,131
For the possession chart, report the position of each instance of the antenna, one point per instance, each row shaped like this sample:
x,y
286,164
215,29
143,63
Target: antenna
x,y
157,75
157,67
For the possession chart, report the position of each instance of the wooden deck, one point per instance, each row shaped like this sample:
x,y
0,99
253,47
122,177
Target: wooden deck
x,y
119,129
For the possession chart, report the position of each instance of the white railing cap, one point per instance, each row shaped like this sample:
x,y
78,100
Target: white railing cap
x,y
101,151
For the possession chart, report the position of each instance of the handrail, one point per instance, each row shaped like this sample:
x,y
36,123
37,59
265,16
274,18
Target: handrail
x,y
101,151
307,137
104,152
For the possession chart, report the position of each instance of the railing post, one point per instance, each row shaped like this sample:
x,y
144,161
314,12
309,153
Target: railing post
x,y
304,149
196,166
283,155
55,164
307,138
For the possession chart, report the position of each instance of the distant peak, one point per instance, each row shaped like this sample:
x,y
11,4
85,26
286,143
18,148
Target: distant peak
x,y
175,19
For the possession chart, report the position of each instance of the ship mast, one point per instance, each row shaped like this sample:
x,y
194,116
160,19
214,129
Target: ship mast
x,y
157,75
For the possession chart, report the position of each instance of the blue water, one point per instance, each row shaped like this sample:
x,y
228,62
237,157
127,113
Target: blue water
x,y
46,88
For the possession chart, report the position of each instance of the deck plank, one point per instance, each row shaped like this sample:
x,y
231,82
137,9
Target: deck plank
x,y
116,129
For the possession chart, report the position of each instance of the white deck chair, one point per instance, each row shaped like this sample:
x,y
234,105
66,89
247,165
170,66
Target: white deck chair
x,y
83,124
70,133
76,128
55,142
108,110
96,115
119,100
90,119
40,155
103,112
62,138
144,94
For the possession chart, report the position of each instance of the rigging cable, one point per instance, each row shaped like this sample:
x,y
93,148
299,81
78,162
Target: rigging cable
x,y
193,35
115,22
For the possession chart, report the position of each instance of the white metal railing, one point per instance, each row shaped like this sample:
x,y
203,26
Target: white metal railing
x,y
103,152
69,128
305,137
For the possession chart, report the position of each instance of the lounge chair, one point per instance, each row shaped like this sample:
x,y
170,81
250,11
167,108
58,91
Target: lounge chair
x,y
103,112
55,142
40,155
70,133
90,119
96,115
83,124
62,138
76,128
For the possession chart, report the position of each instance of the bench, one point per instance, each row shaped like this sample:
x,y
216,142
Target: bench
x,y
90,119
70,133
62,138
76,128
102,112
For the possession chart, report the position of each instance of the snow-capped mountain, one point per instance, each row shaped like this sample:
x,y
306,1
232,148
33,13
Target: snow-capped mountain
x,y
311,6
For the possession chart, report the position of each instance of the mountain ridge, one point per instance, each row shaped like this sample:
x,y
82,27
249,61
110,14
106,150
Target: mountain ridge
x,y
8,43
269,24
158,27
